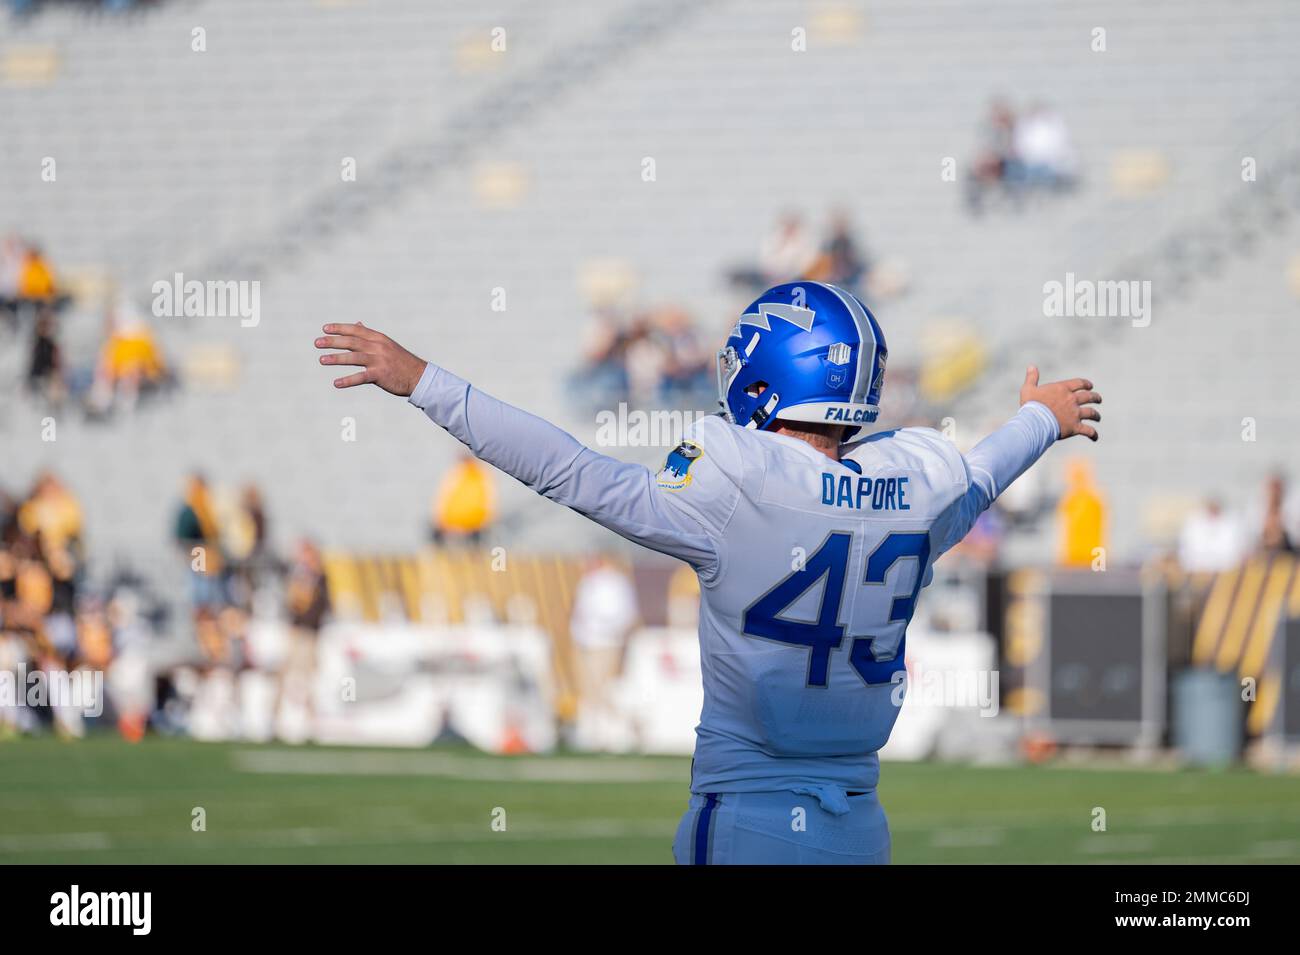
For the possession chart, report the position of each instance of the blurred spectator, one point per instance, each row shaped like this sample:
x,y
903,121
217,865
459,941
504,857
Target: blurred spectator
x,y
26,279
60,620
244,542
1019,155
1044,150
32,595
51,515
36,594
1211,540
8,517
219,632
604,615
256,516
786,254
842,261
687,367
994,155
602,379
94,634
249,541
48,623
198,535
11,267
130,689
45,368
645,354
1277,527
36,278
1081,514
465,503
308,604
33,603
129,361
656,360
788,251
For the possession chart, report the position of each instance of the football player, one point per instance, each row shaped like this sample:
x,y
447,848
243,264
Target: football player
x,y
811,538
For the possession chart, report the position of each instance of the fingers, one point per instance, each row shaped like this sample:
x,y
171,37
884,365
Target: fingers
x,y
1088,431
1078,384
349,342
1089,414
351,381
348,358
357,345
356,330
1087,398
1031,376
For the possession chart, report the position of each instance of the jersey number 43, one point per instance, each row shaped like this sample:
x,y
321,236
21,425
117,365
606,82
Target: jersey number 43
x,y
763,618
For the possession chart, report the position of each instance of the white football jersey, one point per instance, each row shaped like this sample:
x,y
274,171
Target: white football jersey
x,y
803,616
809,568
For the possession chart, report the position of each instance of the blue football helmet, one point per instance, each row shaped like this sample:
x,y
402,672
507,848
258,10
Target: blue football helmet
x,y
804,351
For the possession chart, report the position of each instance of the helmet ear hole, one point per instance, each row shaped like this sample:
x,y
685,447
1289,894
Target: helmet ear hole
x,y
756,389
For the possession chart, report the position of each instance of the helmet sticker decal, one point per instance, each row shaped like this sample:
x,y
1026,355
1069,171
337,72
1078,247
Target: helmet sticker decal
x,y
802,317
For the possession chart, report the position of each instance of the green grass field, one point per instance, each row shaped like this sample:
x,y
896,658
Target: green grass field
x,y
102,800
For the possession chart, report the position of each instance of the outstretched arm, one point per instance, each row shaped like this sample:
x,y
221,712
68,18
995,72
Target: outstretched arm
x,y
615,494
1048,413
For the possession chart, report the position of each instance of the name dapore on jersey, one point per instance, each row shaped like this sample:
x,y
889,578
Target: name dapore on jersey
x,y
864,493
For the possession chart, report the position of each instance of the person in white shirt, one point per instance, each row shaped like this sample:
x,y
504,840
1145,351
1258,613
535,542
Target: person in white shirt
x,y
1044,148
787,250
604,613
1211,540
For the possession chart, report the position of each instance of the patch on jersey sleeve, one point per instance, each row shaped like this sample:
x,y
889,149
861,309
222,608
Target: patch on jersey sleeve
x,y
676,472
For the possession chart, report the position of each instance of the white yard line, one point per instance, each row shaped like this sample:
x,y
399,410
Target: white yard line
x,y
973,838
1052,818
54,841
482,769
297,837
1105,843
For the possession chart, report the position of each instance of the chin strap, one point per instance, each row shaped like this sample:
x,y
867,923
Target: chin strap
x,y
760,415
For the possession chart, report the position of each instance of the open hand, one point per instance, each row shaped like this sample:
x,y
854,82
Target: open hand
x,y
1070,401
385,363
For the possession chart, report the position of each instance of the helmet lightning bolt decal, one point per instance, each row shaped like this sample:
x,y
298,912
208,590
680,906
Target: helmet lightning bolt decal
x,y
794,314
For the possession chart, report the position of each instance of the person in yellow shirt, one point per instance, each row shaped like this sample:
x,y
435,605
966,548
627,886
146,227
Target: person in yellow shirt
x,y
53,515
465,504
1081,515
36,278
132,354
129,362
